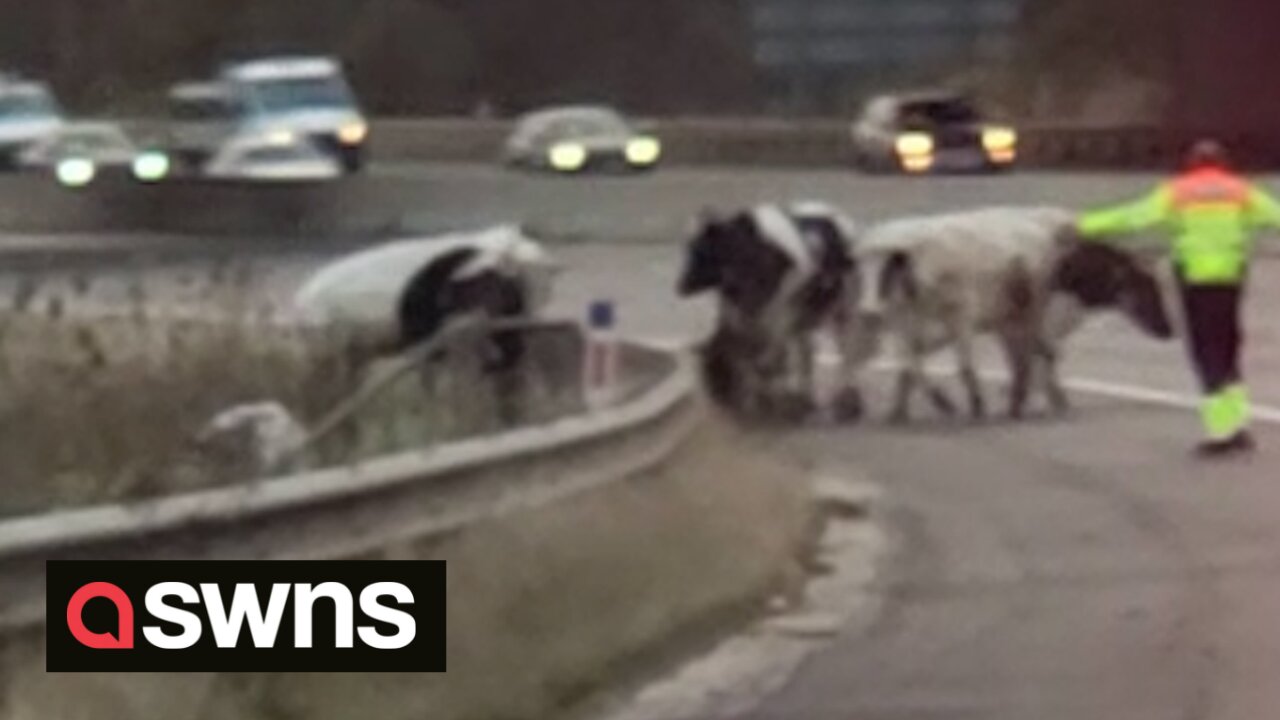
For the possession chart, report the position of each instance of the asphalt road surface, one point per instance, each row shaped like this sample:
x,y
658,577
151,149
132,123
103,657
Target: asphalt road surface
x,y
1084,567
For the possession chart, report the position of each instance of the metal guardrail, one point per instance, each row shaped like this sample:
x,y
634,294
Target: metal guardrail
x,y
367,508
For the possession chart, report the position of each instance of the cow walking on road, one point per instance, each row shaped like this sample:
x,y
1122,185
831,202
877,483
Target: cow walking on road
x,y
781,274
935,282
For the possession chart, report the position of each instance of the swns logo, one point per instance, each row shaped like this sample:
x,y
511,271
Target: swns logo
x,y
230,616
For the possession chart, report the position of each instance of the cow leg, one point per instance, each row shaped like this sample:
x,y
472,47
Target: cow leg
x,y
909,378
914,376
1022,336
850,341
1048,355
939,397
793,384
1019,354
968,374
802,362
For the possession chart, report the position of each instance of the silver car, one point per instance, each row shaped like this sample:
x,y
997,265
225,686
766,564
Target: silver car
x,y
270,157
935,131
28,113
579,139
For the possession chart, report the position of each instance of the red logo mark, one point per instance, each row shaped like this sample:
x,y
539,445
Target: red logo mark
x,y
123,639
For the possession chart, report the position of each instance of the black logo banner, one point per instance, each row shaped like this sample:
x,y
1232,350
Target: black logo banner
x,y
245,616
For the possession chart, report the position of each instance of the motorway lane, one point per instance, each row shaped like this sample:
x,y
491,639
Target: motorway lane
x,y
660,206
1085,568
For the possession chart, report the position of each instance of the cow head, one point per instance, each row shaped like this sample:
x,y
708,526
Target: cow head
x,y
503,274
730,257
1099,276
707,255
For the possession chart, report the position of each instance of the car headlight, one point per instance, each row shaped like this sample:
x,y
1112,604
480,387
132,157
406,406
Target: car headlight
x,y
567,156
353,133
912,144
281,136
151,166
75,172
643,151
999,139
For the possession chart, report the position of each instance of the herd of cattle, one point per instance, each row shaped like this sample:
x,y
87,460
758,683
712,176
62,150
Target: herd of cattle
x,y
923,284
784,275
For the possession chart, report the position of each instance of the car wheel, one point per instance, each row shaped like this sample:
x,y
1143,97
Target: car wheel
x,y
351,159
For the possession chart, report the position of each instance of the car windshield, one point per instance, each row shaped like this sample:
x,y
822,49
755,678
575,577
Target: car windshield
x,y
90,143
26,104
202,109
592,124
326,92
934,113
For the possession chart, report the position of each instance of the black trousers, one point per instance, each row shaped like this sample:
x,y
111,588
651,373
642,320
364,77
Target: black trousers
x,y
1214,334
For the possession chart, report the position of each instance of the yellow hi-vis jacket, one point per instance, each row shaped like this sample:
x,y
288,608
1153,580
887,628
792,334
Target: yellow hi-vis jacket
x,y
1212,215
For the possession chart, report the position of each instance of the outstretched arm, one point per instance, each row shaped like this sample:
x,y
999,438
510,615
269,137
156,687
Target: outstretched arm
x,y
1133,217
1264,209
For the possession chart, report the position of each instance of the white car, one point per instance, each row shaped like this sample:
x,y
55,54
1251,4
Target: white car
x,y
580,138
28,112
306,96
287,98
78,153
935,131
270,158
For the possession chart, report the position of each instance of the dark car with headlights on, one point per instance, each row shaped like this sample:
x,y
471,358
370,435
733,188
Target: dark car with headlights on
x,y
578,139
930,132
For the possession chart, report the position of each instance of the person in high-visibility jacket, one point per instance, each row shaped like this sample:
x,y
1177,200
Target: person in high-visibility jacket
x,y
1212,214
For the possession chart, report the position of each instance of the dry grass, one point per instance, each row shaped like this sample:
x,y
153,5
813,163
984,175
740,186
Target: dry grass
x,y
98,406
105,409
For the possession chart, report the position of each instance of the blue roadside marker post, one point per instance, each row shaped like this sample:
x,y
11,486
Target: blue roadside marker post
x,y
601,366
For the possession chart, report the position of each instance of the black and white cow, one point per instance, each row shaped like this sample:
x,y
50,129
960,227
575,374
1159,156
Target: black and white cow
x,y
1020,274
398,295
781,274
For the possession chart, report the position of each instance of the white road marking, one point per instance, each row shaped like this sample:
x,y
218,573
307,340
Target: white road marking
x,y
828,357
1124,391
1151,396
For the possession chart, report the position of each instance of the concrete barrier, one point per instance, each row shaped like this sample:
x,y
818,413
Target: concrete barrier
x,y
573,547
32,203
